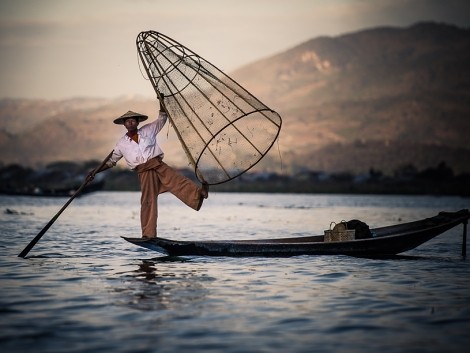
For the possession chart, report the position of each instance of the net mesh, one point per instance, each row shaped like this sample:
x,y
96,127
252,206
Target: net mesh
x,y
224,129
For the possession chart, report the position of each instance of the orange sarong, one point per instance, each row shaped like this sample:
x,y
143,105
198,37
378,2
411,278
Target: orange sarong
x,y
155,178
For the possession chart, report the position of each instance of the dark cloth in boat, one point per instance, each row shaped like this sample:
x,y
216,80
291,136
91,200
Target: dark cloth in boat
x,y
361,228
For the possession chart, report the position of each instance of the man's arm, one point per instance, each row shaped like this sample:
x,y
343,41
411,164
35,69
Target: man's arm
x,y
109,164
93,172
157,125
162,104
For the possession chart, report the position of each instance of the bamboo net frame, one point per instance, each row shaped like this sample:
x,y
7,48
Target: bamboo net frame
x,y
224,129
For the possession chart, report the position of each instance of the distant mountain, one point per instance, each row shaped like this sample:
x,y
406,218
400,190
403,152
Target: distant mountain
x,y
37,132
379,98
375,98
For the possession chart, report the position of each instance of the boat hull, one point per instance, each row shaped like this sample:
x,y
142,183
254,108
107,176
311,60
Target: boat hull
x,y
388,241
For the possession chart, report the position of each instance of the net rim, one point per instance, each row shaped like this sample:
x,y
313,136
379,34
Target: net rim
x,y
197,170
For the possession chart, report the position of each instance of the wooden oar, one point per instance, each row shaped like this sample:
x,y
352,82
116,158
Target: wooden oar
x,y
75,194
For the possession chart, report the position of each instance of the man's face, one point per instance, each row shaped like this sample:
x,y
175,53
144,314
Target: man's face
x,y
131,124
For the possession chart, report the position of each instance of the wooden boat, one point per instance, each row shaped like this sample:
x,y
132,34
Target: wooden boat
x,y
386,241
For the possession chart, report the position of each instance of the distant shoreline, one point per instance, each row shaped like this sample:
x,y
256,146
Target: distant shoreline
x,y
439,181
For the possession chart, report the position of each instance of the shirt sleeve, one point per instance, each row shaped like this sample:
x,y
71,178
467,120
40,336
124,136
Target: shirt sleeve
x,y
154,127
117,155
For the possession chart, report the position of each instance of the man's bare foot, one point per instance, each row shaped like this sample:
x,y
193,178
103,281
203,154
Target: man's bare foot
x,y
204,194
205,191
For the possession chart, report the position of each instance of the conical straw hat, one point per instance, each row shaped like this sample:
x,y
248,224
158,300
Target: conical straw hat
x,y
130,114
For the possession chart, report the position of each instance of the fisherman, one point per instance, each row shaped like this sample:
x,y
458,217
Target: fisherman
x,y
141,151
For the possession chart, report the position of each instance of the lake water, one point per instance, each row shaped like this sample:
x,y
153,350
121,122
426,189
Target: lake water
x,y
84,289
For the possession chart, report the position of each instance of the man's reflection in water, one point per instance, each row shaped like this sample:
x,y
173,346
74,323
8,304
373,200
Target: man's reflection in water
x,y
161,284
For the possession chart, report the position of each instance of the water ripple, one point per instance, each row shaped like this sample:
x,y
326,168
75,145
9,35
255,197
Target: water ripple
x,y
84,289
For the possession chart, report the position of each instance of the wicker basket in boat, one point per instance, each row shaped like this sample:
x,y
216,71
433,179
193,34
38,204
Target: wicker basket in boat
x,y
340,232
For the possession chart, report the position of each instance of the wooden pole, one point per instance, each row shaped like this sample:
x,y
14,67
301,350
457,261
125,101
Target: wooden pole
x,y
51,222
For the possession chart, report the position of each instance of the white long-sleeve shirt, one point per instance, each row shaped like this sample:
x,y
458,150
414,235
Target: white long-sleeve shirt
x,y
147,148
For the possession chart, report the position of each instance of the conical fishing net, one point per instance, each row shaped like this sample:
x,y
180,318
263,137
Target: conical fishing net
x,y
224,129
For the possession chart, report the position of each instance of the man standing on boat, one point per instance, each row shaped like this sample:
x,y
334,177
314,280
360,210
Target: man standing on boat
x,y
141,151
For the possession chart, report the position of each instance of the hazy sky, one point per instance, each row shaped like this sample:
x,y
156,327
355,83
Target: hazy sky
x,y
55,49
